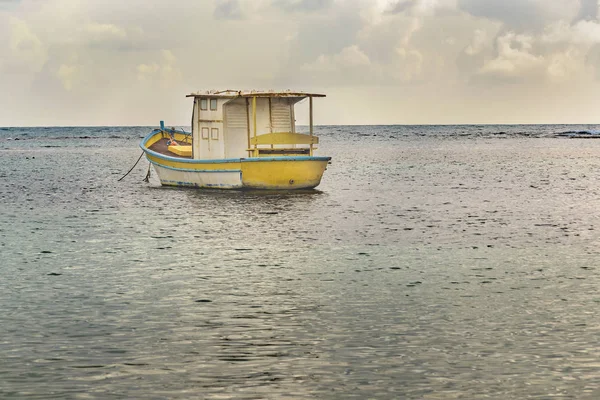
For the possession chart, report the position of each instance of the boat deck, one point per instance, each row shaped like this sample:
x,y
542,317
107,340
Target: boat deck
x,y
162,147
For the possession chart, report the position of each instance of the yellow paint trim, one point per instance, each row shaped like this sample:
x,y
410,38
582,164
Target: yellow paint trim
x,y
179,137
284,138
283,174
194,165
184,151
154,139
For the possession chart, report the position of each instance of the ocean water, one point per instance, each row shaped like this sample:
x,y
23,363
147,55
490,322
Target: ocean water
x,y
433,262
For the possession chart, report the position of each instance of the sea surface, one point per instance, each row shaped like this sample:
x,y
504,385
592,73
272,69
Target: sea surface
x,y
433,262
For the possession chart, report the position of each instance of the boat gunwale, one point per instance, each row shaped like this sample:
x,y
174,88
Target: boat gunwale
x,y
153,153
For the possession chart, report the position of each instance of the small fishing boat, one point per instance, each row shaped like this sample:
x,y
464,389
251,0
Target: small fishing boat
x,y
239,139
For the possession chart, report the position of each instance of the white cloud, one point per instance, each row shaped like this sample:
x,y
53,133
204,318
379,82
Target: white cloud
x,y
27,50
349,58
431,7
514,58
101,31
564,65
414,26
68,74
479,42
164,73
408,66
416,7
582,32
118,50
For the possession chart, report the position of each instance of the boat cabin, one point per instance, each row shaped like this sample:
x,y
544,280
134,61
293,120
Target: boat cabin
x,y
236,124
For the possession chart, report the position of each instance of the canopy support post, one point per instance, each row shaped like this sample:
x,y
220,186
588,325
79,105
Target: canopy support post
x,y
248,123
254,123
310,105
271,117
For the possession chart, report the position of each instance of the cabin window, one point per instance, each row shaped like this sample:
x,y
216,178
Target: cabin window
x,y
204,104
205,133
213,104
214,134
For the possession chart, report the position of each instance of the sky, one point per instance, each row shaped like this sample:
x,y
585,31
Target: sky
x,y
116,62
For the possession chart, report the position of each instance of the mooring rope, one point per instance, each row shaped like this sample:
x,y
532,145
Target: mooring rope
x,y
147,178
136,163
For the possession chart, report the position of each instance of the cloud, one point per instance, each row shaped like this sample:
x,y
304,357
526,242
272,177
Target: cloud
x,y
324,33
349,58
521,15
420,7
478,44
514,59
302,5
102,31
121,52
352,63
165,73
588,10
27,52
228,9
563,65
7,4
401,6
408,66
582,32
537,40
68,74
592,60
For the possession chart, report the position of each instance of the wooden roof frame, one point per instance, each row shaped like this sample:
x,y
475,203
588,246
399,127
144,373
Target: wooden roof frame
x,y
231,94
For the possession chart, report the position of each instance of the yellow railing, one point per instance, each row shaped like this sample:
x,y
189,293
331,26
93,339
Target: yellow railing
x,y
284,138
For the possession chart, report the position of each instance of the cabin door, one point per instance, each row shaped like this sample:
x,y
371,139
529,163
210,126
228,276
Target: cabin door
x,y
236,128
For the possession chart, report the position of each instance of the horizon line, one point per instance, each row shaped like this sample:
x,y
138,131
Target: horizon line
x,y
316,125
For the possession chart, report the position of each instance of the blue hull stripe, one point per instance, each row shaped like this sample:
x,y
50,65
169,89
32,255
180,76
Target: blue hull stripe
x,y
207,185
299,158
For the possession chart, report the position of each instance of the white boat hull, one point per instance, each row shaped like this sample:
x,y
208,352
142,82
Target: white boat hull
x,y
204,179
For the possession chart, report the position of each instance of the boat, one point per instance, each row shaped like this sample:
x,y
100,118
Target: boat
x,y
239,140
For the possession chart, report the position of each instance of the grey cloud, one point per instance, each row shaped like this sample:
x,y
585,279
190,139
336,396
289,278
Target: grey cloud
x,y
401,6
7,4
314,37
593,59
519,14
588,10
302,5
228,9
468,64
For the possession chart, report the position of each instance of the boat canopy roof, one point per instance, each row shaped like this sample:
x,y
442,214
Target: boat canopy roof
x,y
229,94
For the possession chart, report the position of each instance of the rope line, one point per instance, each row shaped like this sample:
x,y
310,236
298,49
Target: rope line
x,y
147,178
136,163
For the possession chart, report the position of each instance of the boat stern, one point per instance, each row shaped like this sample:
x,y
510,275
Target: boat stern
x,y
283,172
